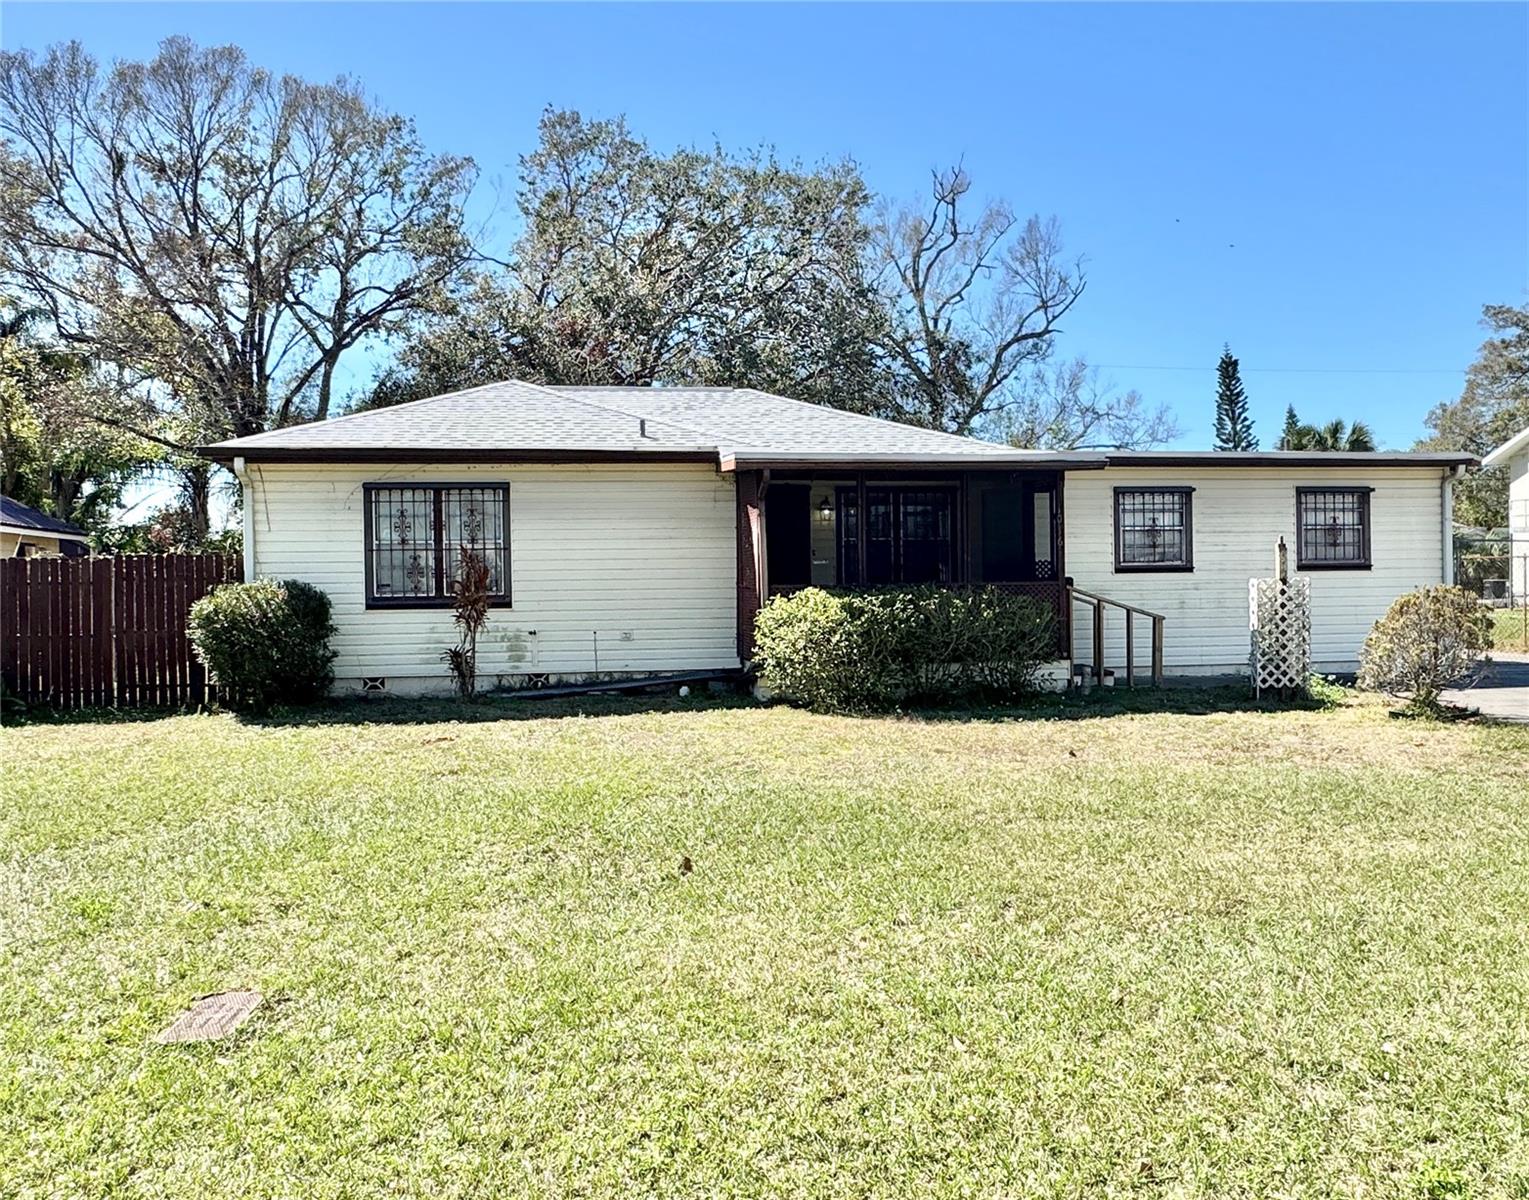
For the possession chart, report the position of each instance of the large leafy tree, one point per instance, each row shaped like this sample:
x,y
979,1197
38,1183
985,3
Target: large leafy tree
x,y
1493,405
1234,424
637,267
222,235
705,267
52,455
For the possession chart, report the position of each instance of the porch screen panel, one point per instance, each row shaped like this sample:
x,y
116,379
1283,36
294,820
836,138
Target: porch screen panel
x,y
1043,533
925,542
907,534
880,539
403,543
1000,535
847,529
1334,527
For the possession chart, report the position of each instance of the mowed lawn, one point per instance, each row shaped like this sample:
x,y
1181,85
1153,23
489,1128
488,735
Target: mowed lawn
x,y
1226,954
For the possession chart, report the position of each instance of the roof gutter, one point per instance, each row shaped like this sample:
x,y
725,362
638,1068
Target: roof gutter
x,y
1282,459
247,505
1447,523
61,535
416,454
735,460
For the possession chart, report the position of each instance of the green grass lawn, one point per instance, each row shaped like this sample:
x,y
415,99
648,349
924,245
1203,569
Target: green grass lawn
x,y
1508,629
1184,954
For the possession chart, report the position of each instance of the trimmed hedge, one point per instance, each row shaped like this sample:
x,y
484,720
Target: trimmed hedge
x,y
265,643
848,651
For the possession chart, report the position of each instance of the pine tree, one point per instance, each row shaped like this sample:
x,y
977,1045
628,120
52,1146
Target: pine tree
x,y
1291,436
1234,426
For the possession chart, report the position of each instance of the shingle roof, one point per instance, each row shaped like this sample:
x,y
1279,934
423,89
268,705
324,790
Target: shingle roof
x,y
746,420
724,425
16,515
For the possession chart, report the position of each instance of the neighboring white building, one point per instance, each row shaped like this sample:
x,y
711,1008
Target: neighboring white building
x,y
1513,455
638,530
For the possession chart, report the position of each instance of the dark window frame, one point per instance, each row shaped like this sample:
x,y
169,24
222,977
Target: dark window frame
x,y
1185,567
1366,561
442,598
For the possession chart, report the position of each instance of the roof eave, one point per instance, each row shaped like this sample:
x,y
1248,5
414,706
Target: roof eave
x,y
1276,459
66,535
750,460
226,453
1500,456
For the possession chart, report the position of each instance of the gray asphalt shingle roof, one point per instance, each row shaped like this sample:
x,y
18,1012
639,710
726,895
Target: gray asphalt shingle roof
x,y
716,423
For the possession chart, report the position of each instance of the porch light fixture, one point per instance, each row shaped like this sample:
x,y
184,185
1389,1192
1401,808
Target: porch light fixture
x,y
825,511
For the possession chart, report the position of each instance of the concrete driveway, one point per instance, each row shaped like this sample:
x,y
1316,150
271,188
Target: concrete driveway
x,y
1502,691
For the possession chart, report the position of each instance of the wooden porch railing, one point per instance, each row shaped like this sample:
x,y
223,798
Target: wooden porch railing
x,y
1098,604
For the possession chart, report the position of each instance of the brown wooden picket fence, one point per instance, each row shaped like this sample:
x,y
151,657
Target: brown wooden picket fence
x,y
105,632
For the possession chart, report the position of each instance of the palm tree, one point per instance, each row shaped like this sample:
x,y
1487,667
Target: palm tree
x,y
1334,437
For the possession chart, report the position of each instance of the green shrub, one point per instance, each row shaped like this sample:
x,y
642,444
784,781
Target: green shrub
x,y
846,651
1326,690
1427,640
265,643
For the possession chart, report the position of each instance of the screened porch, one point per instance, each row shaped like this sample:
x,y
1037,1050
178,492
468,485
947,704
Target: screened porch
x,y
851,530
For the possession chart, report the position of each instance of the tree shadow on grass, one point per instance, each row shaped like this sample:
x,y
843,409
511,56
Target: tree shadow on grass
x,y
393,710
1102,702
1117,701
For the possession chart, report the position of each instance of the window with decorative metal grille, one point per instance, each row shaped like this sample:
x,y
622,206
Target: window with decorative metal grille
x,y
415,535
1332,528
1153,529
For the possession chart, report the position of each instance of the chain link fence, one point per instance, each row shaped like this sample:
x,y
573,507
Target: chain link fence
x,y
1495,566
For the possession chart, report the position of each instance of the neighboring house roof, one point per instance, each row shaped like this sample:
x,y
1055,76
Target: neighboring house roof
x,y
16,517
1500,456
522,421
1288,458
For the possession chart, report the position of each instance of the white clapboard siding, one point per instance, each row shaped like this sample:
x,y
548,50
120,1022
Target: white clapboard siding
x,y
1237,517
1518,523
633,564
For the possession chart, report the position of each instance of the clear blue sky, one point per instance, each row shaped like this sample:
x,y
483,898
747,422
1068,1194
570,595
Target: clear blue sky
x,y
1333,190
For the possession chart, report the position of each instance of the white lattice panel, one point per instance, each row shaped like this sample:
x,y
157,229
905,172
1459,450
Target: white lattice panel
x,y
1279,616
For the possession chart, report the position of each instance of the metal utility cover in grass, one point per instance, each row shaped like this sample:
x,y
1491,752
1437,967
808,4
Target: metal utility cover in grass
x,y
211,1017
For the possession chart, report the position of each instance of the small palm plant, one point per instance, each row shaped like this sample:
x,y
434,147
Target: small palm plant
x,y
469,604
1335,436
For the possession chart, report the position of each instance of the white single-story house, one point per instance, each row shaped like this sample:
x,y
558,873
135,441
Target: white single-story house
x,y
1513,455
636,531
27,532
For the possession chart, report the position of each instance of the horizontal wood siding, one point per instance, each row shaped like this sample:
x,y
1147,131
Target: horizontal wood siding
x,y
615,569
1518,524
1238,515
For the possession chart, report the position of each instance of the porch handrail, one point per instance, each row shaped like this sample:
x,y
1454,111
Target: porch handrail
x,y
1098,604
